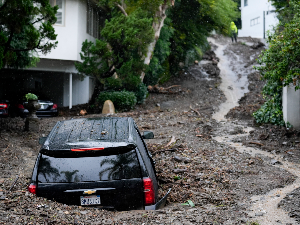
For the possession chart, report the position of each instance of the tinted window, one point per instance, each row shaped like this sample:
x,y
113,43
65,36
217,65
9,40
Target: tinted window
x,y
97,168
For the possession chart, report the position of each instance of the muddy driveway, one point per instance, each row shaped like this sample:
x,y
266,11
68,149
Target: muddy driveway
x,y
206,148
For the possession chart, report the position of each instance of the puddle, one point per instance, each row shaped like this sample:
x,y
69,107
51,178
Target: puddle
x,y
233,87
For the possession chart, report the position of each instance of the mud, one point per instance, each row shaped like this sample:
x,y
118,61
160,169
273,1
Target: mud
x,y
217,163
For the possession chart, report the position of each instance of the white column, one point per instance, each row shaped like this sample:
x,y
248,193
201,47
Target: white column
x,y
70,90
291,106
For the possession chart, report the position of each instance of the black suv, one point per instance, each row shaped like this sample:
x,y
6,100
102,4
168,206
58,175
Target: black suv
x,y
102,162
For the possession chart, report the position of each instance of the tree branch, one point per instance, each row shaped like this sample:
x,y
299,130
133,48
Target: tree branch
x,y
6,48
121,8
27,49
4,5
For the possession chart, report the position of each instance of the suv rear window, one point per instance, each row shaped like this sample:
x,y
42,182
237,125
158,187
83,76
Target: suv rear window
x,y
87,169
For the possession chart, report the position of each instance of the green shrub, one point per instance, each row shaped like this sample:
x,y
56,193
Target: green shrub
x,y
123,100
141,93
113,83
30,96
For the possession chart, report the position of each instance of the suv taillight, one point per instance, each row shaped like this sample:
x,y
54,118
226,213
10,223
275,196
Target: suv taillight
x,y
54,106
149,191
86,149
20,106
3,106
32,188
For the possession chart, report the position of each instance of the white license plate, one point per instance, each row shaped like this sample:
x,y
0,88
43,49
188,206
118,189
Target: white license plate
x,y
90,200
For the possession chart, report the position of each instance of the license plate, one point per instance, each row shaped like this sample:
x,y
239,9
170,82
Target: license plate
x,y
90,200
43,106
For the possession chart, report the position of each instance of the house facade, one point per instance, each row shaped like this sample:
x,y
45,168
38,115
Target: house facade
x,y
55,76
258,16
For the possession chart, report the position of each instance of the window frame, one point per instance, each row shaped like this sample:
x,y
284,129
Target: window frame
x,y
254,21
62,10
92,21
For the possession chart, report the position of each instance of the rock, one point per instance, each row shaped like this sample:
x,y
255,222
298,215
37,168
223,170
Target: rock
x,y
257,45
108,107
180,170
187,160
259,214
196,61
83,212
274,162
167,105
83,112
178,158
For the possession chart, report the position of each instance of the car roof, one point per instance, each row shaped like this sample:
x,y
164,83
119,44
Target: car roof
x,y
91,132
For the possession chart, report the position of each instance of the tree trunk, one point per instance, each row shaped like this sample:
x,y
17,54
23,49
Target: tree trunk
x,y
157,25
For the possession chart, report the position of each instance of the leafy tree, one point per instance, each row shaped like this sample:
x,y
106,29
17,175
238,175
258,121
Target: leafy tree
x,y
25,27
124,42
158,69
134,27
193,20
280,66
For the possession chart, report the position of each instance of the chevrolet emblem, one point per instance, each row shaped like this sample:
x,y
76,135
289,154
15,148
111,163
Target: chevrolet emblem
x,y
89,192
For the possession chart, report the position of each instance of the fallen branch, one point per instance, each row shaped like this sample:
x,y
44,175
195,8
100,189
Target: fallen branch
x,y
173,140
195,110
172,87
14,183
165,150
157,89
256,143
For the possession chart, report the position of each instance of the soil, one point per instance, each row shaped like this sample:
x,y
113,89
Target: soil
x,y
225,168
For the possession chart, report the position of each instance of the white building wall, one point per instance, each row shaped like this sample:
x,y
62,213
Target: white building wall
x,y
291,106
252,16
82,90
72,33
70,36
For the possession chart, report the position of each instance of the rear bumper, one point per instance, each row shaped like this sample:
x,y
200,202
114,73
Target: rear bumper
x,y
160,204
47,113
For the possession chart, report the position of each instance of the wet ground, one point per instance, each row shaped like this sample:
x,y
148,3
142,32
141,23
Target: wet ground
x,y
234,171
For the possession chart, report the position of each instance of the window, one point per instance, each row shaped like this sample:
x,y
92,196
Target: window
x,y
245,2
254,21
85,169
60,12
92,26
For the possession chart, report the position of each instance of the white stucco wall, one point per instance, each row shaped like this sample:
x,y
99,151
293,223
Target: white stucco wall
x,y
291,106
82,90
72,33
61,60
255,9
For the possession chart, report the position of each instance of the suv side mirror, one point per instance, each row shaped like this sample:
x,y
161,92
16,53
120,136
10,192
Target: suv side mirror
x,y
148,135
42,140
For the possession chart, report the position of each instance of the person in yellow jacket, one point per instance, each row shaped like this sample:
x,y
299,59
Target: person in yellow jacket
x,y
233,30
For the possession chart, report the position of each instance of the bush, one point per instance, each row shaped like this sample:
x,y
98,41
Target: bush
x,y
113,83
123,100
141,93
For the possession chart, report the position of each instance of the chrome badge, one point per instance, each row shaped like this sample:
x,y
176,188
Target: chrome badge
x,y
89,192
